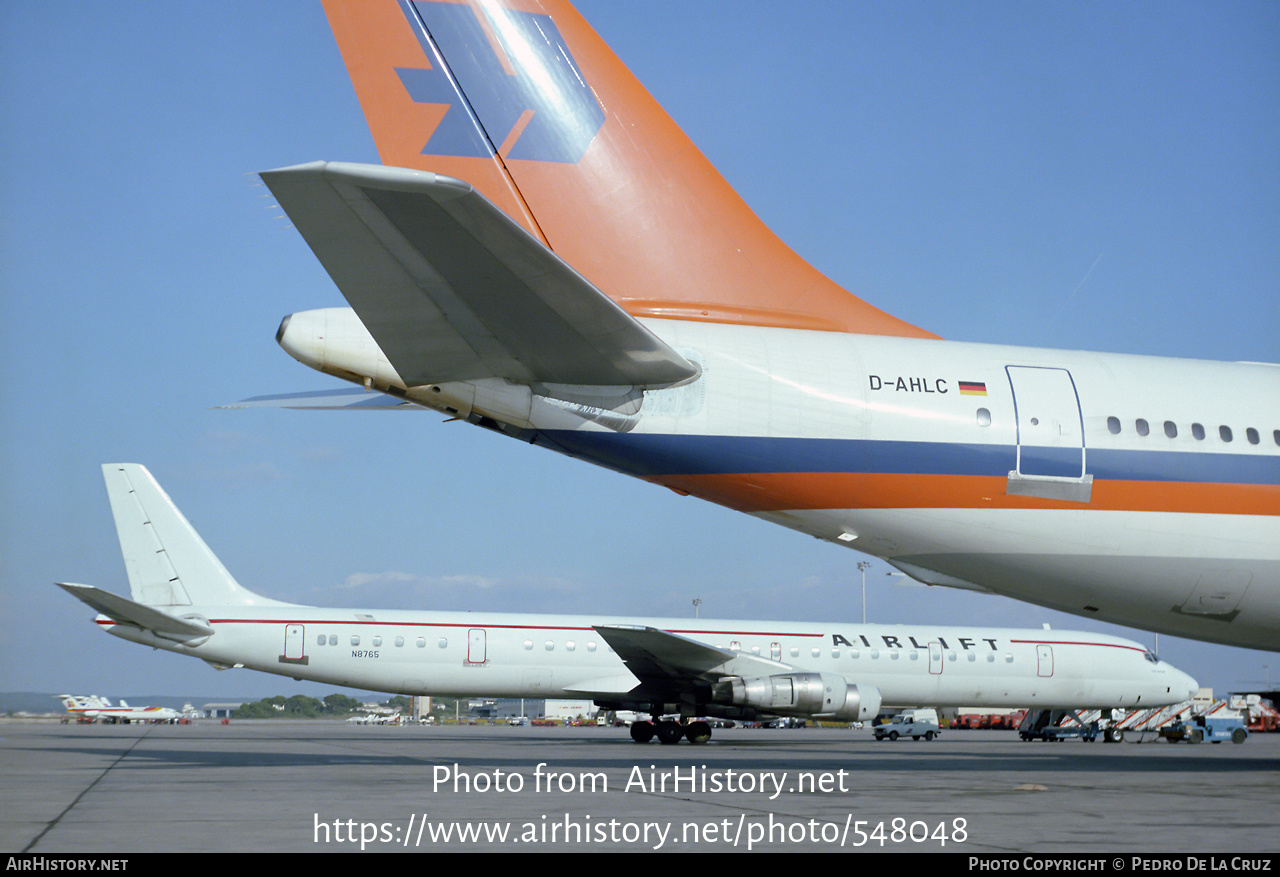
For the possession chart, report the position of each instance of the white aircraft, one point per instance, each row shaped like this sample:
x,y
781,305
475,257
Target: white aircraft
x,y
375,719
185,601
545,254
95,707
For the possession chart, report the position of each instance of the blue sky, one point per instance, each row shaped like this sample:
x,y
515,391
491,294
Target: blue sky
x,y
1083,175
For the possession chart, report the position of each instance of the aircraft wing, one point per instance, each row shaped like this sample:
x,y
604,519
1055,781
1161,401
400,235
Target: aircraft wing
x,y
129,612
453,289
666,660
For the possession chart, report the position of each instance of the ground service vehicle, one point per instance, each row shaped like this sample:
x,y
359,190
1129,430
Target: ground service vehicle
x,y
915,724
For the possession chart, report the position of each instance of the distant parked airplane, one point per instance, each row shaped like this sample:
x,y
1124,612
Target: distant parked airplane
x,y
94,707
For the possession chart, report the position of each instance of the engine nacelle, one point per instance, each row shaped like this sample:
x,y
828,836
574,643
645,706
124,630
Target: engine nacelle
x,y
816,695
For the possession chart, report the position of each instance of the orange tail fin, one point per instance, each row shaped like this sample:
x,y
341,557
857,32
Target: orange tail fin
x,y
524,101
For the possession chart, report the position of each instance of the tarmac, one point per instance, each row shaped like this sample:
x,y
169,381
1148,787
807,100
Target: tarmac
x,y
322,786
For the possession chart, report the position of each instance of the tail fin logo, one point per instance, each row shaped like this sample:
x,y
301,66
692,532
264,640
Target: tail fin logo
x,y
509,80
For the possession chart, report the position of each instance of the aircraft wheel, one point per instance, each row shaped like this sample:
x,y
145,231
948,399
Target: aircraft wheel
x,y
642,732
670,733
697,732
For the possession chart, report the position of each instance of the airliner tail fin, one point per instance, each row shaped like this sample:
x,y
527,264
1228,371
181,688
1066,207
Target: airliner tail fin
x,y
167,562
525,102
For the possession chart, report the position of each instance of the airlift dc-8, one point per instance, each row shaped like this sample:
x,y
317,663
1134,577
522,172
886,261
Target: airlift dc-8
x,y
185,601
544,253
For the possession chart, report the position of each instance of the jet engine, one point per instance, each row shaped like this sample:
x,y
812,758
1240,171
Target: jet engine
x,y
811,695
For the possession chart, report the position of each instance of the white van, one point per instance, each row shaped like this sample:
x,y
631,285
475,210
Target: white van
x,y
910,723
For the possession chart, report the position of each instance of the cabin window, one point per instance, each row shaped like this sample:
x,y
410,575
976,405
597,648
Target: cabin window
x,y
377,641
1008,658
835,653
355,640
1197,430
399,642
734,646
591,646
984,417
914,655
1113,425
991,659
816,652
1170,429
1224,433
528,644
795,653
421,642
875,653
755,650
893,654
442,643
972,657
1141,426
549,646
333,639
322,640
1252,435
570,645
855,654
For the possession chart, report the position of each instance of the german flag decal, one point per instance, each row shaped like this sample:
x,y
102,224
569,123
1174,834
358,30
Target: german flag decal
x,y
972,388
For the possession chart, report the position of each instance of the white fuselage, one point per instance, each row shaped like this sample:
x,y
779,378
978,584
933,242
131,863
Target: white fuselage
x,y
1173,526
1139,490
506,655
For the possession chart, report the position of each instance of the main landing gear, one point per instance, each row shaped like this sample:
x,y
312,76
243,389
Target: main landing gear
x,y
669,731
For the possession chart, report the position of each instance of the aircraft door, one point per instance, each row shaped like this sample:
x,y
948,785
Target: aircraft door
x,y
476,646
1044,660
935,658
294,645
1050,435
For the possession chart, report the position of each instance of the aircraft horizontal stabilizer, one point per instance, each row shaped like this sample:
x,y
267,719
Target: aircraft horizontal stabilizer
x,y
328,400
658,657
129,612
452,289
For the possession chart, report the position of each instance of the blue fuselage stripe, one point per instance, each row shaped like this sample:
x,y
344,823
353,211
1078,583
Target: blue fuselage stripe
x,y
648,456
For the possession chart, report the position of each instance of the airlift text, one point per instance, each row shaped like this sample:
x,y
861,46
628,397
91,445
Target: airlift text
x,y
893,642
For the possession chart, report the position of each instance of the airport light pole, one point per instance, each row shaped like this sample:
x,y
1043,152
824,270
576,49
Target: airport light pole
x,y
862,567
697,601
